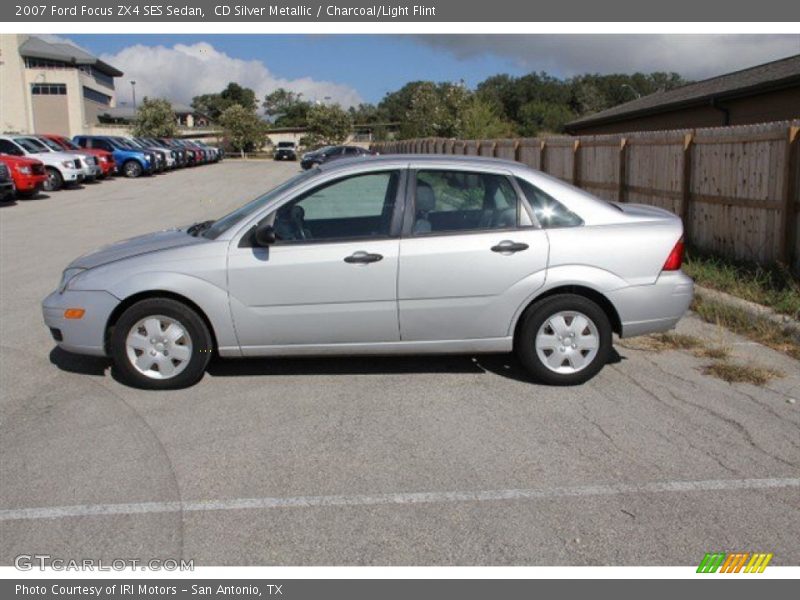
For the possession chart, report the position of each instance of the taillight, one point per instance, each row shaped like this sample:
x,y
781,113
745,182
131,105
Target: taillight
x,y
675,258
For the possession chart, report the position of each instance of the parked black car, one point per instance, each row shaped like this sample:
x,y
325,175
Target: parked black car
x,y
6,184
327,153
285,151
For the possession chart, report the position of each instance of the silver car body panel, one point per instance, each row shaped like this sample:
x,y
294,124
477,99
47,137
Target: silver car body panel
x,y
434,293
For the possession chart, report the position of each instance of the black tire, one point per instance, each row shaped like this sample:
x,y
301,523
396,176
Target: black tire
x,y
131,168
537,315
199,338
54,181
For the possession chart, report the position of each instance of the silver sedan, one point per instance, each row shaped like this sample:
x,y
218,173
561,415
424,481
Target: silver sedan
x,y
383,255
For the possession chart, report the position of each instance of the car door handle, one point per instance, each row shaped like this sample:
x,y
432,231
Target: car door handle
x,y
361,257
509,247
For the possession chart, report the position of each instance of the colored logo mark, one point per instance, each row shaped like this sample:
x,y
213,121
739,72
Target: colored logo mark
x,y
734,562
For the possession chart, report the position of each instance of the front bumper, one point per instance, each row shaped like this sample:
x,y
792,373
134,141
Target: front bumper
x,y
653,308
73,175
29,183
87,334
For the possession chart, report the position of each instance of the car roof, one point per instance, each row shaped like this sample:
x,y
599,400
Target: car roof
x,y
437,159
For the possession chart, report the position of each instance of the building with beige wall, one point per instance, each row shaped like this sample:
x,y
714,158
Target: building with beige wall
x,y
48,87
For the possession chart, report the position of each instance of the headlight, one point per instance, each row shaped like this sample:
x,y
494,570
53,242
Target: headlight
x,y
69,164
67,276
24,170
103,159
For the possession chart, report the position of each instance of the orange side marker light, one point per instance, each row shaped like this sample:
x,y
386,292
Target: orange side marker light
x,y
74,313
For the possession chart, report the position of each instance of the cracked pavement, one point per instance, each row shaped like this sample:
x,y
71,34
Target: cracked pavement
x,y
359,428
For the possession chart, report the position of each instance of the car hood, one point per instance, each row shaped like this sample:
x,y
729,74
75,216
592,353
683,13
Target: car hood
x,y
50,157
136,246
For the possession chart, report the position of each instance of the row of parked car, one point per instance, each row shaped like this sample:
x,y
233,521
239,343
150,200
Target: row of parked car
x,y
30,163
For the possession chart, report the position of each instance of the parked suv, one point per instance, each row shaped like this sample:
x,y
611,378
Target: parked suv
x,y
285,151
61,168
165,159
89,162
104,158
27,174
131,162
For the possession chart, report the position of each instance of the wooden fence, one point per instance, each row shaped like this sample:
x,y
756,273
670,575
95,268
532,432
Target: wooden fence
x,y
736,188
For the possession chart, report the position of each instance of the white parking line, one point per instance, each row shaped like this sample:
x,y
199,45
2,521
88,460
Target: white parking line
x,y
97,510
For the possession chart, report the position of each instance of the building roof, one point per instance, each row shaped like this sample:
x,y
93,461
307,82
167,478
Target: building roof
x,y
772,75
36,47
128,113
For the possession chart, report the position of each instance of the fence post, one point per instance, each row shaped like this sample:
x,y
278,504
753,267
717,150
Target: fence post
x,y
542,152
788,220
623,170
576,163
686,185
516,151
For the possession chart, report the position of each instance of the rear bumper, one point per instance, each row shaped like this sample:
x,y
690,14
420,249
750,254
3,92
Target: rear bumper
x,y
652,308
85,335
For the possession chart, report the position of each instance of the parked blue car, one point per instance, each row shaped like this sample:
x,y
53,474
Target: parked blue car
x,y
130,162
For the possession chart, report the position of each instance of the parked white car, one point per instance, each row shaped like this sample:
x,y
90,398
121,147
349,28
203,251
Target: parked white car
x,y
91,166
63,168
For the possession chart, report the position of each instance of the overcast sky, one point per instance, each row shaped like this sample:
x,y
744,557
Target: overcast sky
x,y
350,68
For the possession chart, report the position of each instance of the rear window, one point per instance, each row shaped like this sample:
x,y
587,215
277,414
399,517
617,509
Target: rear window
x,y
550,213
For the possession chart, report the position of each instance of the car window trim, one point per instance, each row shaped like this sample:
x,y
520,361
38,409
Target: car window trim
x,y
395,224
411,195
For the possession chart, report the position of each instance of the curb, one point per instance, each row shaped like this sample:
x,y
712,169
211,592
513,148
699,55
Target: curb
x,y
756,311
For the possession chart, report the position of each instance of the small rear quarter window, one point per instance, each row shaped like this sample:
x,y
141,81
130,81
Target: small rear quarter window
x,y
549,212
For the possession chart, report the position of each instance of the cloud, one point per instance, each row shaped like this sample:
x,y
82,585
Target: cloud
x,y
693,56
183,71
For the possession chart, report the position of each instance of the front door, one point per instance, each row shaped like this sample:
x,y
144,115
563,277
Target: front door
x,y
331,276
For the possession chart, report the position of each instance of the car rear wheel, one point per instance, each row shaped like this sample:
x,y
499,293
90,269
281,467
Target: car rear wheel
x,y
564,340
131,168
160,344
54,181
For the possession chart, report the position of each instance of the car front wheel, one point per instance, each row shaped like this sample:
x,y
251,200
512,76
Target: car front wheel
x,y
132,169
159,344
564,340
54,181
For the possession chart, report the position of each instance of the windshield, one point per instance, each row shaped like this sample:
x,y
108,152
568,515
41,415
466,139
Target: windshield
x,y
31,145
50,144
229,220
123,143
285,144
69,144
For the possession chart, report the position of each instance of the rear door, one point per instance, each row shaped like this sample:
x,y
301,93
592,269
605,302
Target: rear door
x,y
470,255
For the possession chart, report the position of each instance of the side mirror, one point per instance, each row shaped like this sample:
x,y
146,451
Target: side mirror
x,y
265,234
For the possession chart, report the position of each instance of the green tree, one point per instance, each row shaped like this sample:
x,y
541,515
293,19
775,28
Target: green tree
x,y
213,105
544,117
286,108
480,120
243,128
435,110
155,118
327,125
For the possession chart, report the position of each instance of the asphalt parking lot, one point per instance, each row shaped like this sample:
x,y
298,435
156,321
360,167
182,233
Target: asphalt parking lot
x,y
405,461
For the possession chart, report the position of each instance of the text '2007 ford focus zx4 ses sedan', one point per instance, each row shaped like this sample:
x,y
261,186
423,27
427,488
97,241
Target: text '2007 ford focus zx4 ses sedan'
x,y
383,255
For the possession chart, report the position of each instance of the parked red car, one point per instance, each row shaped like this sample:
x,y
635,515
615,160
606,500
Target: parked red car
x,y
104,158
28,174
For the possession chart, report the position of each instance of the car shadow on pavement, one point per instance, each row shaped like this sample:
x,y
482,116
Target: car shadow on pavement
x,y
5,203
505,365
79,363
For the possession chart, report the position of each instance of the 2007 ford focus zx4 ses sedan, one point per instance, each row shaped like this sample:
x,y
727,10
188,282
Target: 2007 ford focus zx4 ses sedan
x,y
383,255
